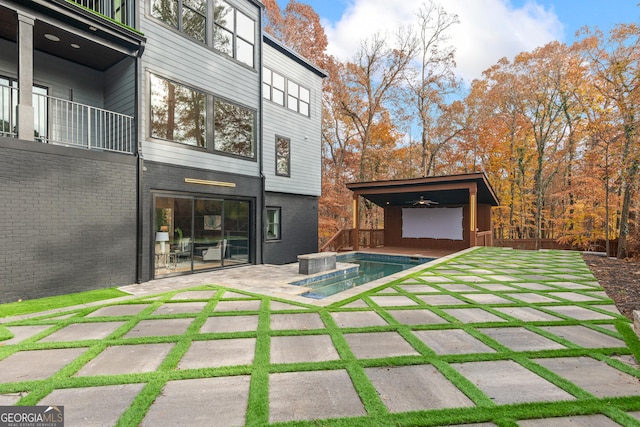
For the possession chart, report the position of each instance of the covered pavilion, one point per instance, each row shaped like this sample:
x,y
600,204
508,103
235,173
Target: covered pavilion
x,y
439,213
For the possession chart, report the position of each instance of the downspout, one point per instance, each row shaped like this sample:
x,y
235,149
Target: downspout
x,y
139,175
263,206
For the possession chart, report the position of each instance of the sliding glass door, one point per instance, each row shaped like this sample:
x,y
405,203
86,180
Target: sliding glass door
x,y
193,234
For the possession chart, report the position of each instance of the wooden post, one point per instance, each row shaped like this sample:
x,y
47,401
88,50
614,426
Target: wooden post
x,y
473,216
356,223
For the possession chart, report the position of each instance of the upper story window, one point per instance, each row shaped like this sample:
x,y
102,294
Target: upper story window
x,y
234,129
233,32
283,156
187,16
275,86
178,113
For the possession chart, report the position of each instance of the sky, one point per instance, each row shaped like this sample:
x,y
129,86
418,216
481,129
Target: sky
x,y
488,29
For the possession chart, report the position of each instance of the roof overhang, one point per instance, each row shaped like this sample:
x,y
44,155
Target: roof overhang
x,y
445,190
84,36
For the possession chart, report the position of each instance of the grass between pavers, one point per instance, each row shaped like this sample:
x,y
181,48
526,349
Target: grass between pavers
x,y
62,301
455,271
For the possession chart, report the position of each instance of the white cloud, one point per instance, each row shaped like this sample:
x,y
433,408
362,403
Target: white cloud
x,y
488,29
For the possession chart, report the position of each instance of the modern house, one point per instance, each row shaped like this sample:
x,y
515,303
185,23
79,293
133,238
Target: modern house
x,y
143,139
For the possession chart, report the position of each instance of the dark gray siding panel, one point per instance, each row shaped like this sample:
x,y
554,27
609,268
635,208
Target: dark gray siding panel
x,y
159,177
299,228
120,87
68,220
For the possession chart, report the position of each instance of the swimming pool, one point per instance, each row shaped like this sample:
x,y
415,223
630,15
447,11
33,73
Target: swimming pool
x,y
366,268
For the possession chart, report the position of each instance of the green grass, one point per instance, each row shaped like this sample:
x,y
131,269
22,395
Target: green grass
x,y
51,303
560,268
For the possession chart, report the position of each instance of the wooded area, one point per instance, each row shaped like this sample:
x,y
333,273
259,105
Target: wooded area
x,y
555,129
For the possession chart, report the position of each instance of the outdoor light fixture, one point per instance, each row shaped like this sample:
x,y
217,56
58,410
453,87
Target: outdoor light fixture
x,y
162,237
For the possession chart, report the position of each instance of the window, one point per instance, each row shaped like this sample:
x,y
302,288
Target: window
x,y
187,16
273,88
178,113
233,32
234,129
298,98
273,223
283,156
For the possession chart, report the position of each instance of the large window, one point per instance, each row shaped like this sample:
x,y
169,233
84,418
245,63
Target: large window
x,y
234,129
198,233
178,113
187,16
283,156
274,87
273,223
233,32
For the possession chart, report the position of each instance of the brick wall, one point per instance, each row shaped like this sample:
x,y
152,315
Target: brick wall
x,y
299,228
67,220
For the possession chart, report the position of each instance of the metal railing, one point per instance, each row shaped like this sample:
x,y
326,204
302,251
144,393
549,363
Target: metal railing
x,y
8,99
71,123
58,121
119,10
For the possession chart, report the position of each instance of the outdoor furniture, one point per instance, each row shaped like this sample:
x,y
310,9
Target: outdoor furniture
x,y
215,253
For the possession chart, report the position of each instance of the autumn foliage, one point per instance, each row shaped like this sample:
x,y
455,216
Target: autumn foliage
x,y
555,129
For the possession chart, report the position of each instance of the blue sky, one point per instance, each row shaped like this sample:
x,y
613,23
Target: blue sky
x,y
488,29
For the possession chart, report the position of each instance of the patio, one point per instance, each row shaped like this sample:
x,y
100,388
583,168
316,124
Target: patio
x,y
488,336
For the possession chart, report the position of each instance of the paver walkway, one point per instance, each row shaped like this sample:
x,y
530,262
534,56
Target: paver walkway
x,y
491,337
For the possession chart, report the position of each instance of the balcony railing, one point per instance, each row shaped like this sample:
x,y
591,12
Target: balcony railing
x,y
118,10
62,122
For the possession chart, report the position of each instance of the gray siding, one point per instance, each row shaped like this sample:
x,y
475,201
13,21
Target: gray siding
x,y
69,220
304,132
299,228
175,56
120,87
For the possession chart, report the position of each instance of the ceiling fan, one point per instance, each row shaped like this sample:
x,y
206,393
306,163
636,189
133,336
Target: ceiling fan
x,y
422,202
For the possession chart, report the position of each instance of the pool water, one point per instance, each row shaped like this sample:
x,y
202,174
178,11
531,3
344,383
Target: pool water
x,y
370,267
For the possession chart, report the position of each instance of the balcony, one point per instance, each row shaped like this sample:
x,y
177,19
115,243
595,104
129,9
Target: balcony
x,y
62,122
121,11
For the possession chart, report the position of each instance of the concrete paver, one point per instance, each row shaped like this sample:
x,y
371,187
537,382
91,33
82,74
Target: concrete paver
x,y
36,364
306,348
505,381
313,395
598,420
118,310
358,319
159,328
584,336
473,315
219,353
298,321
594,376
417,317
452,341
415,388
201,402
99,406
367,345
127,359
83,331
219,324
521,339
